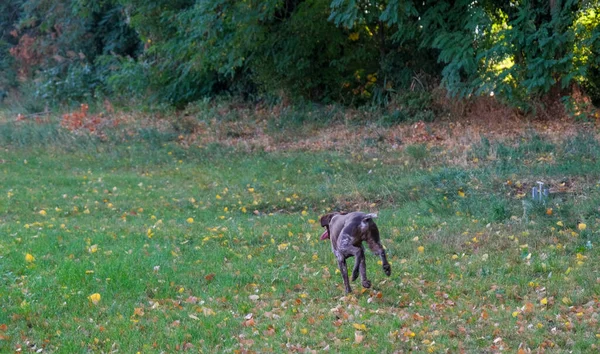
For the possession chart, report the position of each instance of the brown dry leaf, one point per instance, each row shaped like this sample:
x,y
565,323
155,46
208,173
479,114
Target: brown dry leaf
x,y
209,277
528,308
191,300
270,331
358,337
138,311
207,312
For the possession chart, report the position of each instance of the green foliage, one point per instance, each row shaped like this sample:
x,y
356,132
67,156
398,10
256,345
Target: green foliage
x,y
348,51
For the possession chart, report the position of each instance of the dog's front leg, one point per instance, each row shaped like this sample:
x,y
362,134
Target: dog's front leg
x,y
355,271
386,266
362,267
344,271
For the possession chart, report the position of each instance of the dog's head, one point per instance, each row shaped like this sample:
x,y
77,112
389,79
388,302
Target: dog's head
x,y
326,220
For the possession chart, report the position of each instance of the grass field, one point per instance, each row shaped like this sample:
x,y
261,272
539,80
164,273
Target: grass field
x,y
144,243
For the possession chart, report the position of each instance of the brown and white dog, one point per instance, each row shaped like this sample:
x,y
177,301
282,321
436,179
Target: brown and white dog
x,y
347,232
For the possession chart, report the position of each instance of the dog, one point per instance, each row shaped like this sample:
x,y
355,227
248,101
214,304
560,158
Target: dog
x,y
347,232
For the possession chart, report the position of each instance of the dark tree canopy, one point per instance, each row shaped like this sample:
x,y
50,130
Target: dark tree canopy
x,y
346,51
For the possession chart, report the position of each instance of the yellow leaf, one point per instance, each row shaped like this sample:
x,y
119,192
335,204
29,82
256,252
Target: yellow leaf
x,y
42,212
566,301
93,249
304,213
421,249
515,314
461,194
283,246
303,330
29,258
360,327
560,223
544,301
94,298
581,226
207,312
190,220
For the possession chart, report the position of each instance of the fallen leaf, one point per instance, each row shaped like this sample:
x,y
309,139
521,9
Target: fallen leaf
x,y
359,326
358,337
95,298
138,311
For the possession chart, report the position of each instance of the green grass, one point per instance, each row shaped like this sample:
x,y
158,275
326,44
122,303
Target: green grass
x,y
495,270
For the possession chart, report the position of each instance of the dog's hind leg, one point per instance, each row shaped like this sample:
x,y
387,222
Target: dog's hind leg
x,y
360,266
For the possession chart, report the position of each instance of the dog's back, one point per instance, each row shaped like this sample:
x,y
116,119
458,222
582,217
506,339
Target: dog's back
x,y
354,225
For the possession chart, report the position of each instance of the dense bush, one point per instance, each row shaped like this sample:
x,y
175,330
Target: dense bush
x,y
348,51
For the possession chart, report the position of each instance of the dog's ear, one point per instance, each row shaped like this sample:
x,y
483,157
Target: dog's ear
x,y
326,219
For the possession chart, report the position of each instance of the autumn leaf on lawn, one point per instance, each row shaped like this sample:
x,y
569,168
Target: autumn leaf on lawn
x,y
283,246
29,258
95,298
248,321
358,337
208,312
360,327
138,311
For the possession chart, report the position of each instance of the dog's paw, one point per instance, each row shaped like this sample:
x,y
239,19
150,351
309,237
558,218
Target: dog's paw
x,y
366,284
387,269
